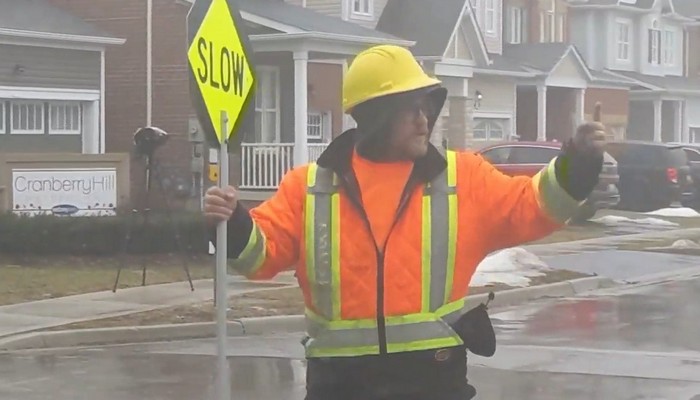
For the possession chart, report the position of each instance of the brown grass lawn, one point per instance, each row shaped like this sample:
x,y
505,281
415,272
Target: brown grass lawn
x,y
35,278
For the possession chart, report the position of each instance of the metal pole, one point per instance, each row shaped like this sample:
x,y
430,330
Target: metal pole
x,y
223,381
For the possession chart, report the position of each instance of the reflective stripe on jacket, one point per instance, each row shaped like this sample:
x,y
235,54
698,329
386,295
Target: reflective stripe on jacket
x,y
361,300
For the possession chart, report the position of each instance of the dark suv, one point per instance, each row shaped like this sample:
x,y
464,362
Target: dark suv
x,y
652,175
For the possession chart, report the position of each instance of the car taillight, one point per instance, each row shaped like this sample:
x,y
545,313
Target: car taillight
x,y
672,175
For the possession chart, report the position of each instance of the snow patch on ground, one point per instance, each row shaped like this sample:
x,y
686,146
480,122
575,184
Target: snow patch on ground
x,y
682,244
512,267
675,212
614,220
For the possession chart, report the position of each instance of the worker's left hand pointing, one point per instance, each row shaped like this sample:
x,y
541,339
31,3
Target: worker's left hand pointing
x,y
590,139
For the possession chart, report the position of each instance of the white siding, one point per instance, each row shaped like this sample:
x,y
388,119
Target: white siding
x,y
693,112
494,41
498,104
612,51
294,2
334,8
578,35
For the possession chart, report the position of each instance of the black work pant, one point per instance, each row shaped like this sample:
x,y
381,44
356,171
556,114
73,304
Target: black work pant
x,y
422,375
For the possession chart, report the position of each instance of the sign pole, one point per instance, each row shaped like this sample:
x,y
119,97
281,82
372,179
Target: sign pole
x,y
223,377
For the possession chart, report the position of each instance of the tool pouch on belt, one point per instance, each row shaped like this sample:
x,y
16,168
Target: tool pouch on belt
x,y
476,330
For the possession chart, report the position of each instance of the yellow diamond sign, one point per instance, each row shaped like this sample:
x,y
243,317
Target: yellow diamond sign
x,y
219,63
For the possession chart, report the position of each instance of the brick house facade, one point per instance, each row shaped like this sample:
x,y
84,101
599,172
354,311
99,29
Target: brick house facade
x,y
129,106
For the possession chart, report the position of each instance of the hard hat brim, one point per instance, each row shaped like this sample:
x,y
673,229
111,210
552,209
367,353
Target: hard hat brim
x,y
420,82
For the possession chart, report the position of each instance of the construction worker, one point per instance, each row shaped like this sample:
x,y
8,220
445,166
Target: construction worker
x,y
386,231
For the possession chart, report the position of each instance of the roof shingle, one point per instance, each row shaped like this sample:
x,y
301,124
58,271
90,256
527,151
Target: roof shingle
x,y
309,20
433,33
40,16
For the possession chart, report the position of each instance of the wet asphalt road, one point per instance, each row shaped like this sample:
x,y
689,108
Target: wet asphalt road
x,y
633,344
622,265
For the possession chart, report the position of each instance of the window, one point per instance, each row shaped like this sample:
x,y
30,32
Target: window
x,y
362,7
499,155
623,40
669,48
695,135
2,116
515,25
560,28
692,154
490,16
267,105
64,118
488,130
654,44
319,126
548,21
27,118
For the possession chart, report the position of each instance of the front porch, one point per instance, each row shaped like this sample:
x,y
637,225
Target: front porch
x,y
662,108
264,164
299,69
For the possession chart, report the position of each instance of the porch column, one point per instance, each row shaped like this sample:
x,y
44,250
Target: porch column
x,y
301,142
580,107
541,112
685,126
348,122
678,121
657,121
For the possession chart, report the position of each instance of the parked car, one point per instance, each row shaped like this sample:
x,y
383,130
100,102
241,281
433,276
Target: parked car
x,y
652,175
528,158
692,152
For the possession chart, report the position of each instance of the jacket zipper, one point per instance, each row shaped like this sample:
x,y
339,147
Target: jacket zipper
x,y
381,318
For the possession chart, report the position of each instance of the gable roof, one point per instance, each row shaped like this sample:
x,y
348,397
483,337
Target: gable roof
x,y
432,28
543,57
38,19
293,19
671,84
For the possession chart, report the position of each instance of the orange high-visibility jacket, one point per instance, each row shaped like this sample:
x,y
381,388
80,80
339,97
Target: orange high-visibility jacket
x,y
361,300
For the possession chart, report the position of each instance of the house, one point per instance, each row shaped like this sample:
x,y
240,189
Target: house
x,y
510,72
691,8
449,45
643,41
563,89
52,86
300,56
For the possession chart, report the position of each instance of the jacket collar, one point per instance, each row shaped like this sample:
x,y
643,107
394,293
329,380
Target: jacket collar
x,y
338,157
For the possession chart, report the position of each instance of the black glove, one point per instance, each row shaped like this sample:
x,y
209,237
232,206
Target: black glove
x,y
581,160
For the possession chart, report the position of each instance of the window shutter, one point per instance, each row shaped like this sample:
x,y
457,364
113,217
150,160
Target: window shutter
x,y
649,46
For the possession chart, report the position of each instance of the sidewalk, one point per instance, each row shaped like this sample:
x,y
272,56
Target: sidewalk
x,y
608,242
35,315
27,317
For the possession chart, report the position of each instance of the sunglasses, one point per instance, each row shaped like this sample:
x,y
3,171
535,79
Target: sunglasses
x,y
417,107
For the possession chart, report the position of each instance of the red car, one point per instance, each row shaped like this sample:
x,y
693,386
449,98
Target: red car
x,y
528,158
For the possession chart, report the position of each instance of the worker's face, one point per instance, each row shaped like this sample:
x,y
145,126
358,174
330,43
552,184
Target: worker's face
x,y
410,133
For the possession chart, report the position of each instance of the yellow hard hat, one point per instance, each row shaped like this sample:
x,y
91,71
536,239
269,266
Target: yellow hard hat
x,y
382,71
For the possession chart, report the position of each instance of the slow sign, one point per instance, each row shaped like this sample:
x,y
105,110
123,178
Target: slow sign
x,y
220,65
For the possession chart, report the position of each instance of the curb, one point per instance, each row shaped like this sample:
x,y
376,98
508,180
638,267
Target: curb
x,y
260,325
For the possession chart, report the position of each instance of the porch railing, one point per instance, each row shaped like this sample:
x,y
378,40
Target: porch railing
x,y
264,164
315,150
